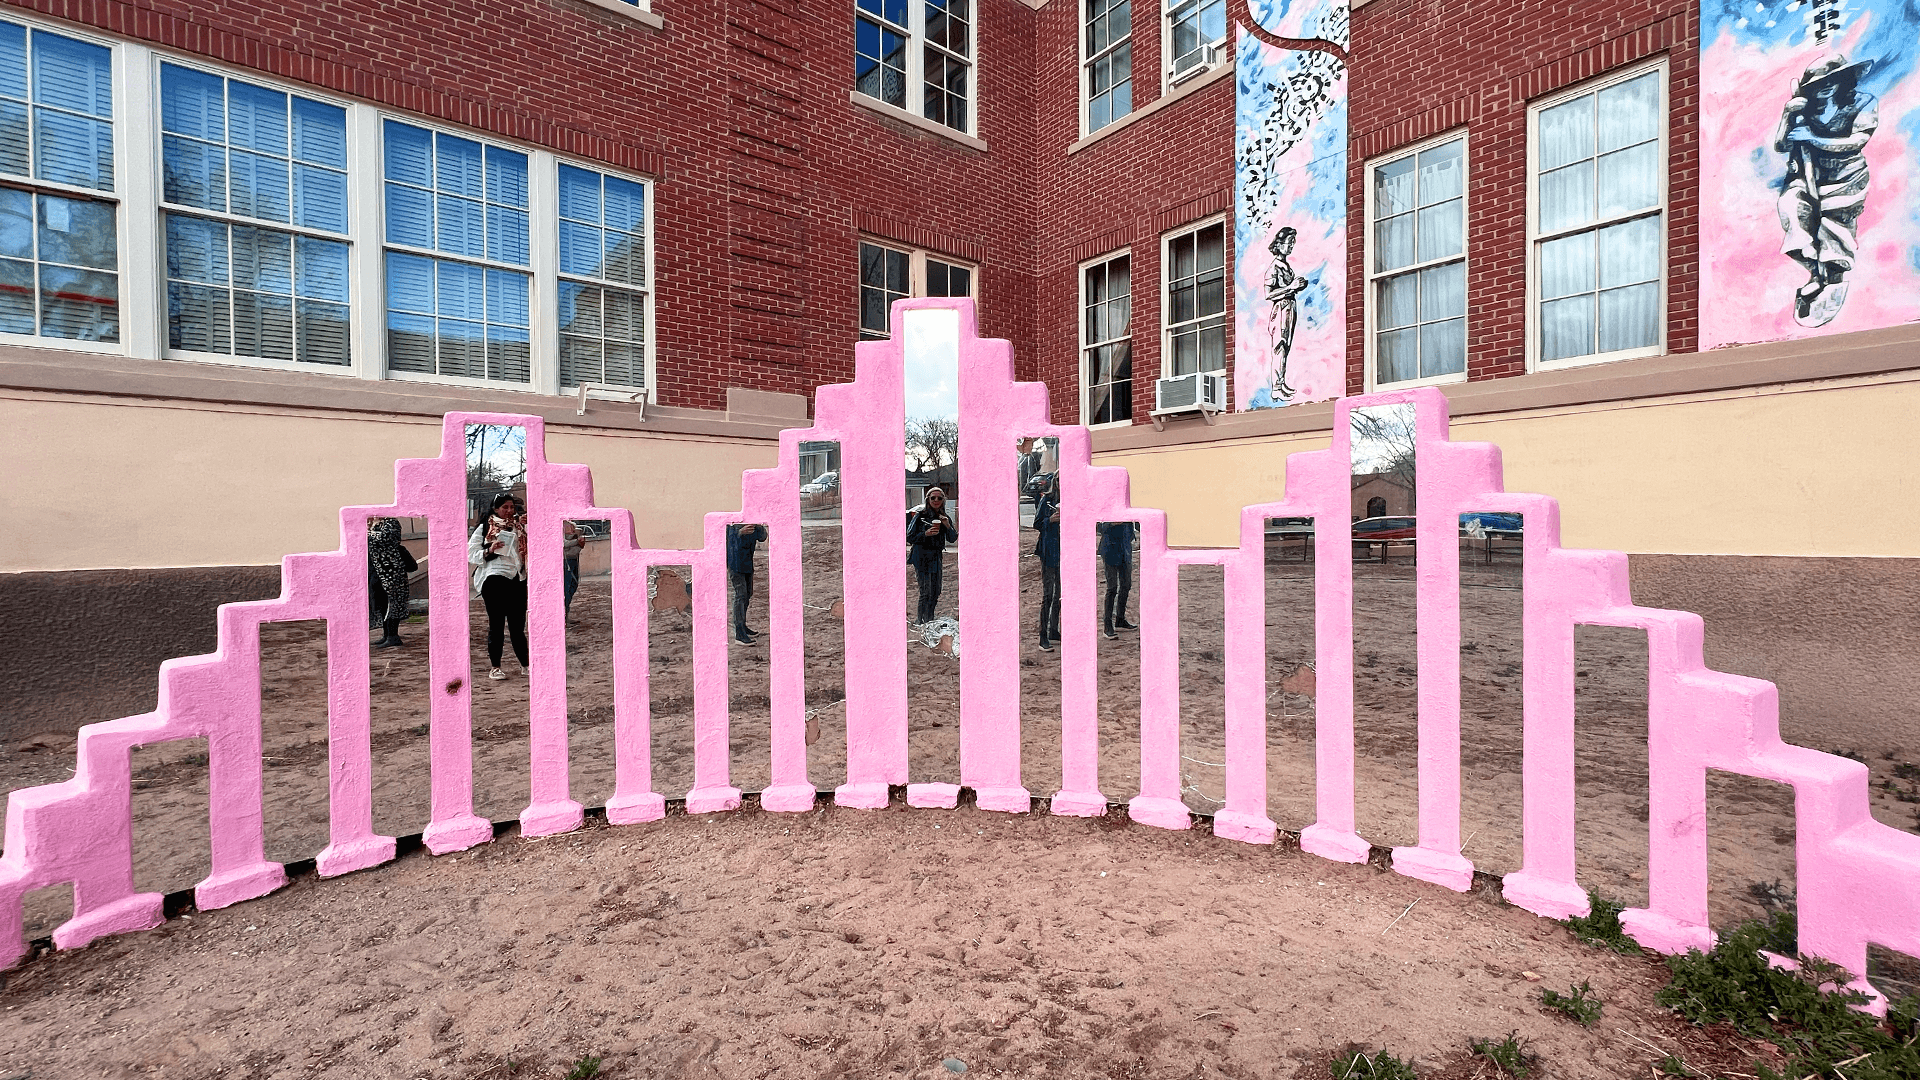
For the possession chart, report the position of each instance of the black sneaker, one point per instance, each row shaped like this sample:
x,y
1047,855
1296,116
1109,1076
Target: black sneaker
x,y
747,640
1046,646
1109,635
1125,625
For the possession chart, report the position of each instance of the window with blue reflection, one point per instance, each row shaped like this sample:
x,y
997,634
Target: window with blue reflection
x,y
234,147
242,290
603,226
455,195
56,108
58,267
453,318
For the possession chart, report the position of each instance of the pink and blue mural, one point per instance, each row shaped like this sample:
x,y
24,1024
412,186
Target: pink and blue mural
x,y
1290,224
1809,126
1304,20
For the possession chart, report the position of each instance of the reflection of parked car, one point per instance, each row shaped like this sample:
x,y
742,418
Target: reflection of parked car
x,y
588,530
1290,526
1383,528
1491,522
820,485
1036,484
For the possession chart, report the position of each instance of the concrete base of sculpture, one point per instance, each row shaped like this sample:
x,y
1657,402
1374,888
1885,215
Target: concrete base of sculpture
x,y
337,859
1338,845
1007,800
789,798
933,796
1249,828
1160,813
863,796
713,800
457,834
1545,896
1663,934
549,819
1439,867
245,883
634,809
141,911
1079,804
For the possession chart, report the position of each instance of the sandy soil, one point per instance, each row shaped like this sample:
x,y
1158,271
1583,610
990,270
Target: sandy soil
x,y
1751,822
840,943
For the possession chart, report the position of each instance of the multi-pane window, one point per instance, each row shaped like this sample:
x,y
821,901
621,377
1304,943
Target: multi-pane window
x,y
1109,61
917,55
242,154
1106,345
883,279
1598,238
1418,271
603,279
468,315
946,279
58,248
1196,323
1192,26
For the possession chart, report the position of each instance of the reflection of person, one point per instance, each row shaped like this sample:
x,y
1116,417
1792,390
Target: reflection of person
x,y
571,544
1283,312
741,542
1046,518
1116,552
498,551
1824,131
390,564
929,530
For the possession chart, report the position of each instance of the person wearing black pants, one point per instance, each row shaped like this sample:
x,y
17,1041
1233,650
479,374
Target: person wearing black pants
x,y
741,542
929,530
497,550
1046,519
1116,551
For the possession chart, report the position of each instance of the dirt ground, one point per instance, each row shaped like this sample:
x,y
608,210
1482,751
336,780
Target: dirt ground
x,y
841,943
1750,824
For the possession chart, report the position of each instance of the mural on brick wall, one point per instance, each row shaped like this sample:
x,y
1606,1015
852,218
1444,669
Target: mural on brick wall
x,y
1810,152
1290,231
1307,20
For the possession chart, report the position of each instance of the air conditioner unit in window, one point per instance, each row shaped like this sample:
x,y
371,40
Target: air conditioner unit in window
x,y
1209,59
1203,392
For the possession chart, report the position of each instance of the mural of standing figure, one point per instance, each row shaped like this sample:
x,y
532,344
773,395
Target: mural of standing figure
x,y
1284,287
1824,131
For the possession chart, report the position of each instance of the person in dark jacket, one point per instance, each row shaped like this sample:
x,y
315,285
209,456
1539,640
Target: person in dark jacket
x,y
1046,519
929,530
741,542
390,563
1116,551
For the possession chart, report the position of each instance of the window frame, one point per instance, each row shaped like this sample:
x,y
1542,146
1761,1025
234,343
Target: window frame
x,y
1086,70
917,45
1370,277
1664,210
1085,346
1168,77
1166,294
917,259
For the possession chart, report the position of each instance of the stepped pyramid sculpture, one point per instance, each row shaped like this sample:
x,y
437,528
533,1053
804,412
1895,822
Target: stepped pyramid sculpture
x,y
1858,880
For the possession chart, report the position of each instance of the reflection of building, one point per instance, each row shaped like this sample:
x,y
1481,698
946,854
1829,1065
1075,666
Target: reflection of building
x,y
817,458
1379,495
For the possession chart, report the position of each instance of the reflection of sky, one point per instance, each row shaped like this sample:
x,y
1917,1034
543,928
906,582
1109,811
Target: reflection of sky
x,y
931,341
504,446
1374,448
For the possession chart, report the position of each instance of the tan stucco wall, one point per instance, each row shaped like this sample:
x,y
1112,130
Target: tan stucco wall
x,y
123,483
1813,469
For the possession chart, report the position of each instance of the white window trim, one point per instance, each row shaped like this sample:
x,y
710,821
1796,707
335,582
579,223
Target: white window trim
x,y
916,108
1166,292
1369,305
916,273
1086,72
1223,59
142,249
1080,317
641,12
1534,108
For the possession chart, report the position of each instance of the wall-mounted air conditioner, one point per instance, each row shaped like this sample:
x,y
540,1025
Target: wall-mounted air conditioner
x,y
1209,58
1204,392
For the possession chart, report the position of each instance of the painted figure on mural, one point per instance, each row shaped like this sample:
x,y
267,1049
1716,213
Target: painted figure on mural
x,y
1824,131
1284,287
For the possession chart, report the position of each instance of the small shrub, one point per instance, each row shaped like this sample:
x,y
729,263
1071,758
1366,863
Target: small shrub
x,y
1671,1065
1359,1065
1600,926
1509,1055
586,1068
1579,1003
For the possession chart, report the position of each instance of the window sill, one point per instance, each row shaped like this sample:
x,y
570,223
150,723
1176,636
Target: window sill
x,y
1185,89
1408,384
896,113
1591,359
632,11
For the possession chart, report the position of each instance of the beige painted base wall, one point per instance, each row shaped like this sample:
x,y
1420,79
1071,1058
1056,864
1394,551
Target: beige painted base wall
x,y
1809,469
130,483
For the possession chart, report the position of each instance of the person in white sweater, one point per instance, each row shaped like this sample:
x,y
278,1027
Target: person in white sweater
x,y
498,551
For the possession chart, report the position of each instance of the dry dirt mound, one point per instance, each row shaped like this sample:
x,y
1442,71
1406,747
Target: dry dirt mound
x,y
837,943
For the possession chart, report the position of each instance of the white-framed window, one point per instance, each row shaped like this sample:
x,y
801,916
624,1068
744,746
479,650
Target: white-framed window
x,y
890,272
603,289
59,211
1106,50
253,208
1106,340
917,55
1194,316
1417,265
1195,34
1596,222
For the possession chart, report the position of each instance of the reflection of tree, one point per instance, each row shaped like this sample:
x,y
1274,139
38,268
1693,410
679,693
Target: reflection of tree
x,y
496,456
1383,444
932,441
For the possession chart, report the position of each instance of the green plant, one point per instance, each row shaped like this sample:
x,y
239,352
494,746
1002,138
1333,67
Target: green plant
x,y
1579,1003
586,1068
1359,1065
1509,1055
1820,1032
1600,926
1671,1065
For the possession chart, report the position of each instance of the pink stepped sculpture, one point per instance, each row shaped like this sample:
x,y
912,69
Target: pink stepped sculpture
x,y
1858,880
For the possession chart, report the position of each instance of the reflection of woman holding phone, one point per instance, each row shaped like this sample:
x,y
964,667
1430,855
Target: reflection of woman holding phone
x,y
498,551
929,530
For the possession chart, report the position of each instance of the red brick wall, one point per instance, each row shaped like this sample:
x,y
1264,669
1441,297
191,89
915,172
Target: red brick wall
x,y
1421,67
738,107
